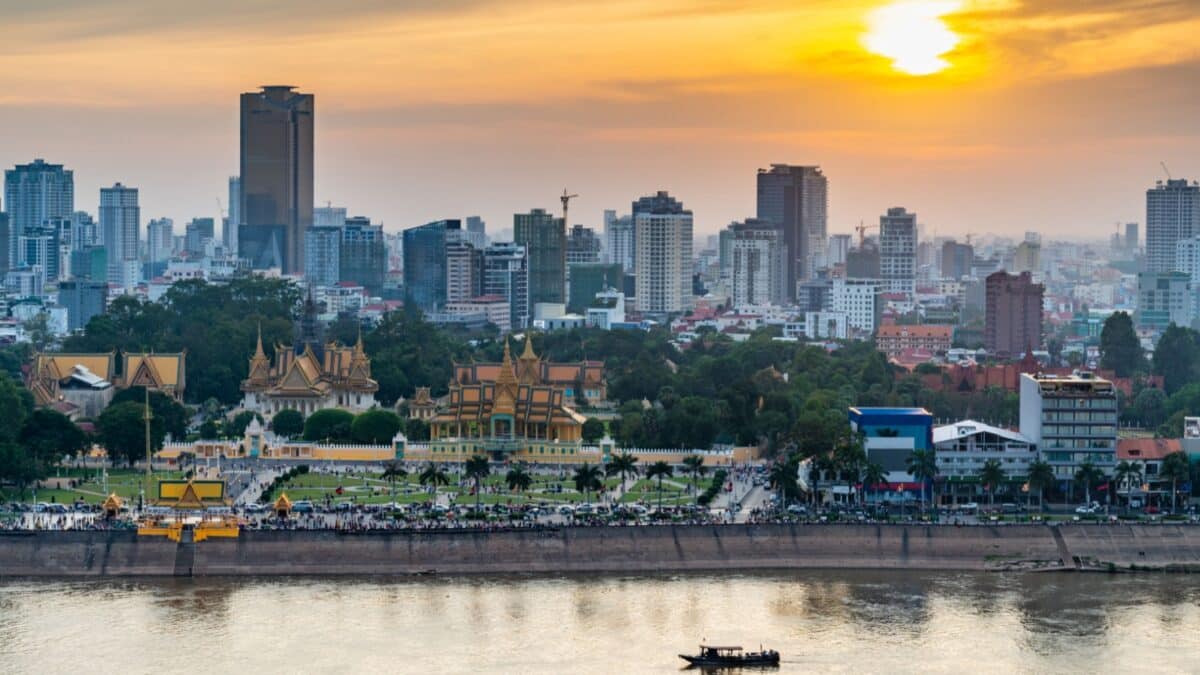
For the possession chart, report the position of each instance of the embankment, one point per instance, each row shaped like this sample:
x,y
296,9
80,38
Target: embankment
x,y
601,549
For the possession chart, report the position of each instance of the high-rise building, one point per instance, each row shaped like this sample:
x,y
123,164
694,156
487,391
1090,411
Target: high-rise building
x,y
90,262
956,260
796,199
759,272
476,232
1072,419
322,255
329,216
506,274
588,279
199,232
425,262
83,300
119,216
38,248
619,242
1027,258
663,230
160,239
1131,237
1164,298
544,238
6,252
837,249
863,262
583,246
859,300
363,254
1187,257
276,177
84,231
229,233
464,272
1013,319
898,250
33,194
1172,214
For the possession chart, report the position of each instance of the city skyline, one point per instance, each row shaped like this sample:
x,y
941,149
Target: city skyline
x,y
405,122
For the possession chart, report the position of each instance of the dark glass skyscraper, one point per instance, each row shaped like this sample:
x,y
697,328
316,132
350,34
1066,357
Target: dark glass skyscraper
x,y
276,201
363,254
795,198
545,241
425,262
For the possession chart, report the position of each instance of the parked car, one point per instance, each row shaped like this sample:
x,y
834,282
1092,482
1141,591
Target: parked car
x,y
797,509
303,506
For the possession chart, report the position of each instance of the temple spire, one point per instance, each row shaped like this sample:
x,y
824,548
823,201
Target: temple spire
x,y
258,349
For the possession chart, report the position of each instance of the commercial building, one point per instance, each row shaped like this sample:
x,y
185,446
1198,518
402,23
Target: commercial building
x,y
119,221
956,260
475,232
589,279
34,193
506,274
898,250
160,239
229,233
796,199
759,272
836,249
583,246
859,300
545,242
362,254
664,255
863,262
1072,420
199,233
1172,214
276,177
1027,258
607,310
425,262
963,448
1164,298
494,308
894,340
1013,319
39,249
890,435
323,255
619,240
464,272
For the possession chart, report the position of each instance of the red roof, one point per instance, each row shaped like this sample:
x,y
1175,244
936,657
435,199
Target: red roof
x,y
1144,449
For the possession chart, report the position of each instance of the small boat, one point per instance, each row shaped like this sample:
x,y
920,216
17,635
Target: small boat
x,y
731,657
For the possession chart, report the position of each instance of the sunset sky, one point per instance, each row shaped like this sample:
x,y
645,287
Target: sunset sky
x,y
1048,115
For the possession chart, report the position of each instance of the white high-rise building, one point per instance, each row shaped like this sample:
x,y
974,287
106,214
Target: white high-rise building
x,y
229,233
759,273
620,244
898,250
858,299
506,273
837,249
119,216
160,239
663,232
1172,214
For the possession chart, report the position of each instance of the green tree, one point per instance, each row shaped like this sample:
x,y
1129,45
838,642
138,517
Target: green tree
x,y
586,479
624,465
392,472
1177,357
416,429
693,465
19,467
236,427
593,430
783,477
1041,476
209,431
873,475
1175,468
288,423
1128,474
518,478
172,415
376,426
1088,476
121,430
659,470
992,476
49,435
13,409
433,476
922,464
477,468
1120,349
332,424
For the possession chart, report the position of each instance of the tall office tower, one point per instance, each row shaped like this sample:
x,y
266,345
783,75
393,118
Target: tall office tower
x,y
5,252
583,246
476,232
33,194
663,229
363,255
506,273
83,300
1087,404
329,216
898,250
1013,319
759,263
796,199
160,239
956,260
322,255
619,242
863,262
84,231
725,256
1165,298
38,247
198,233
464,271
277,177
545,242
119,216
229,233
837,248
425,262
1027,258
1172,213
1131,237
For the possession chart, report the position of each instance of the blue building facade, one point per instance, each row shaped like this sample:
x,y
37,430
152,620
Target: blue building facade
x,y
890,435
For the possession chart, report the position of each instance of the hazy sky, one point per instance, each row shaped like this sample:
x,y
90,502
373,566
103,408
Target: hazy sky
x,y
1053,115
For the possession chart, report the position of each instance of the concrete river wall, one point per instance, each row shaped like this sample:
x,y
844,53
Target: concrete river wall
x,y
605,549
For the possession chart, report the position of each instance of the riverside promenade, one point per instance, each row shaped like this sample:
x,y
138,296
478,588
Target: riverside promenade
x,y
653,548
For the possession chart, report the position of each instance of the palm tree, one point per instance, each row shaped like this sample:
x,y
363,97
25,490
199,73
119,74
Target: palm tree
x,y
821,464
873,474
477,468
518,479
623,465
659,470
850,458
1175,467
922,464
1127,473
1041,476
391,472
784,479
1088,475
991,476
433,476
587,478
694,465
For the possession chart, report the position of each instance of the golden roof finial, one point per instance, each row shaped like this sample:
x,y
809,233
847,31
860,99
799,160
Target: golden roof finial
x,y
258,350
528,353
358,346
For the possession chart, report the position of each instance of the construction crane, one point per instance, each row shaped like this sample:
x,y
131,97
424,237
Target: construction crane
x,y
862,232
1165,170
566,199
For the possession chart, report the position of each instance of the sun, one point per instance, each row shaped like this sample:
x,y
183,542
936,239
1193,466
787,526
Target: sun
x,y
912,34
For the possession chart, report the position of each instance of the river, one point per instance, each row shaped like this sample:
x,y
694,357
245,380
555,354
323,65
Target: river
x,y
845,621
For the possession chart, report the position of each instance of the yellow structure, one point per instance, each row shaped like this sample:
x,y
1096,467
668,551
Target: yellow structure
x,y
82,385
283,506
580,380
111,506
156,372
308,377
191,494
